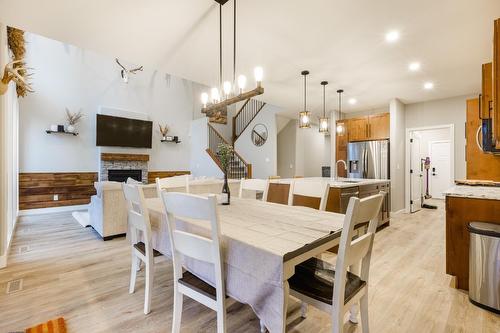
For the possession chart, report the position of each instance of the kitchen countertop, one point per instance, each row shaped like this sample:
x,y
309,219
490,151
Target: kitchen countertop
x,y
340,183
477,192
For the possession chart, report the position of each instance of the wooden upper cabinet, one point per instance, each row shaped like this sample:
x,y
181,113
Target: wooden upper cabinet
x,y
378,127
496,84
487,91
357,129
341,148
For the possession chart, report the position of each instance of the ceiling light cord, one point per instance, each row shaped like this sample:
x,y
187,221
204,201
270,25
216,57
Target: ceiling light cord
x,y
234,44
324,101
305,92
220,45
340,91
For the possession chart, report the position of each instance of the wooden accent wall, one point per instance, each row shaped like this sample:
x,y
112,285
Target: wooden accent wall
x,y
124,157
480,165
152,175
37,190
459,212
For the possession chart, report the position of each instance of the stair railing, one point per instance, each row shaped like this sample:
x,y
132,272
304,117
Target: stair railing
x,y
245,115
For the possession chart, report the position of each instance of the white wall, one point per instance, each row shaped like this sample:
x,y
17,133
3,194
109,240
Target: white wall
x,y
263,158
397,154
287,150
67,76
443,112
201,164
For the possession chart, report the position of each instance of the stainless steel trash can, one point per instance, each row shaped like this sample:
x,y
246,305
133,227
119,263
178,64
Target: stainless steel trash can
x,y
484,265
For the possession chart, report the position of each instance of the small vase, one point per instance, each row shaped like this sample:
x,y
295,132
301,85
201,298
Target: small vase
x,y
70,129
226,193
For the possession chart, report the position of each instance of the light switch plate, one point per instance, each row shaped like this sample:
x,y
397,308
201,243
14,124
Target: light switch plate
x,y
56,197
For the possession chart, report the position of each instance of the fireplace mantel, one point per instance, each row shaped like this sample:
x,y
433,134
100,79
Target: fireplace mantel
x,y
124,157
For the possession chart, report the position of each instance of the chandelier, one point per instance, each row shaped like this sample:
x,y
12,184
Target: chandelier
x,y
305,116
324,121
226,93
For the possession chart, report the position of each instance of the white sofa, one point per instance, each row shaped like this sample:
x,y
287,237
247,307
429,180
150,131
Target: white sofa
x,y
107,209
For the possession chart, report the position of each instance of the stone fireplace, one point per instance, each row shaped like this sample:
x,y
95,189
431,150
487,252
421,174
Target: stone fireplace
x,y
135,164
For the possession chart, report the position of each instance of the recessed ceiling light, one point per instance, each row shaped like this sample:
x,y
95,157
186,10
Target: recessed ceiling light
x,y
428,85
352,101
414,66
392,36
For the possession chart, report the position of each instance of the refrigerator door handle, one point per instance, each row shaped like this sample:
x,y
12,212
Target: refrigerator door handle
x,y
365,162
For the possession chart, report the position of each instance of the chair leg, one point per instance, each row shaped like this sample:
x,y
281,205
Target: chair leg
x,y
338,321
363,303
149,287
221,320
303,309
263,328
176,320
133,273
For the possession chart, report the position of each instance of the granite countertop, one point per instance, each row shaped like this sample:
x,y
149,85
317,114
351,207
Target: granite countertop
x,y
477,192
339,183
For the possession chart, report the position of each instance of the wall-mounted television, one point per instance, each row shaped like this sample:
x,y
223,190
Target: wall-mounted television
x,y
123,132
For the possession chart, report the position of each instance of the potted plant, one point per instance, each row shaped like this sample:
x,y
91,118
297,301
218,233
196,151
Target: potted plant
x,y
73,119
225,152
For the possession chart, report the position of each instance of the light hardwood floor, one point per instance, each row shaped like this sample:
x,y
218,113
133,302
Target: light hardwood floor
x,y
68,271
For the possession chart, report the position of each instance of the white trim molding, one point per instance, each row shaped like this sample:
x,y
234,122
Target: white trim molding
x,y
51,210
3,261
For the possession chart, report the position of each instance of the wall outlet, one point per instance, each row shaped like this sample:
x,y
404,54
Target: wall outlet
x,y
56,197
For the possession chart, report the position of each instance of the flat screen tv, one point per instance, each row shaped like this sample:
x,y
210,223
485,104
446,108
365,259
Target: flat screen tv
x,y
123,132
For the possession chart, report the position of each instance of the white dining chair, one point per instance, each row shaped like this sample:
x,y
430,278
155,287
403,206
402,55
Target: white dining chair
x,y
307,193
254,185
142,251
338,289
199,247
179,183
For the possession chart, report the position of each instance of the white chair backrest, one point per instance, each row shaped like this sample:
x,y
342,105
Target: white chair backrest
x,y
306,188
137,213
356,252
257,185
179,206
176,182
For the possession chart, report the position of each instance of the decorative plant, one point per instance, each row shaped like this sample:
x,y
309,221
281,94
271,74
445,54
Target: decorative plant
x,y
73,118
163,130
225,152
15,39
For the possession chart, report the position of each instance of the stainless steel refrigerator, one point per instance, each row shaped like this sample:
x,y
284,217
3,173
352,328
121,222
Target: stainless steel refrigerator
x,y
368,159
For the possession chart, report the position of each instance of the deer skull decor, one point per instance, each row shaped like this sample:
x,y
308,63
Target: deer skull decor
x,y
163,130
17,74
125,72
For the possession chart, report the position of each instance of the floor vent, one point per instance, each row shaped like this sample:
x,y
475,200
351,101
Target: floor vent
x,y
23,249
14,286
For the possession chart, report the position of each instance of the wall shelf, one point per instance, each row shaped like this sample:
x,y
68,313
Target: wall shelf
x,y
58,132
171,139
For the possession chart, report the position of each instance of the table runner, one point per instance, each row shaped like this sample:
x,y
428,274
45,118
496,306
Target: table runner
x,y
256,236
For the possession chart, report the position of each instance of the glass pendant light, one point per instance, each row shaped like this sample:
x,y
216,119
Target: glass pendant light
x,y
305,116
324,121
340,125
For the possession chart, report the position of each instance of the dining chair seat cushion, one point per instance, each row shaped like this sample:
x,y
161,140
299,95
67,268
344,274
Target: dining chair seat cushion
x,y
142,248
315,278
193,282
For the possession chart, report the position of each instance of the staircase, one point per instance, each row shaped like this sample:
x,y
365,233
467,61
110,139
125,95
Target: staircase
x,y
245,115
238,167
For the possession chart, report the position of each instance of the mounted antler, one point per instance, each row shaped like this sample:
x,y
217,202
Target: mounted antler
x,y
17,74
125,72
163,130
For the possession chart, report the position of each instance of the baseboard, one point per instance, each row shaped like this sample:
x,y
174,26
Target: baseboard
x,y
3,261
400,211
50,210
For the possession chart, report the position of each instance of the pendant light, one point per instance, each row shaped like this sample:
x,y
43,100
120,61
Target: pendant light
x,y
340,125
305,116
324,121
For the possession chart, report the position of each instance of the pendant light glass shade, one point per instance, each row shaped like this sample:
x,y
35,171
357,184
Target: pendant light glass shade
x,y
305,116
340,125
324,122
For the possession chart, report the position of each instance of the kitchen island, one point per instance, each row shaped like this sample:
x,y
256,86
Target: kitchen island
x,y
341,190
466,204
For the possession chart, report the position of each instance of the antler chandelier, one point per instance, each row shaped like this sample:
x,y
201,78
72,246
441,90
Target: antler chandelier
x,y
226,93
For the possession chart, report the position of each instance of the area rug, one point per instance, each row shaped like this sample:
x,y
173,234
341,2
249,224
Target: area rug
x,y
52,326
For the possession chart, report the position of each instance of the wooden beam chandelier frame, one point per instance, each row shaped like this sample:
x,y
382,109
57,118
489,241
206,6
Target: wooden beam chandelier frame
x,y
226,93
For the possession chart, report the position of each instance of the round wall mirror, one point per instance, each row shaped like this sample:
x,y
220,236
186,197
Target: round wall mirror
x,y
259,134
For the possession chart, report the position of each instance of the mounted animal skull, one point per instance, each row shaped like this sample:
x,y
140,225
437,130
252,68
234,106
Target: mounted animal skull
x,y
16,74
163,130
125,72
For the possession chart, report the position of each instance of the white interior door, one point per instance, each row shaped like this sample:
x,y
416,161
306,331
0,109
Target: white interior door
x,y
440,171
415,176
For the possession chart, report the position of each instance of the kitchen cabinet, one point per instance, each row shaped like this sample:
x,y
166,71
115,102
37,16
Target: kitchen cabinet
x,y
369,190
378,126
357,129
496,84
341,148
486,91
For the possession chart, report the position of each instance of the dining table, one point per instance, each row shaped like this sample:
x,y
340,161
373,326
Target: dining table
x,y
262,243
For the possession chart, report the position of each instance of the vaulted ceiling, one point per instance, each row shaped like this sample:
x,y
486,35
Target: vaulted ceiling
x,y
339,41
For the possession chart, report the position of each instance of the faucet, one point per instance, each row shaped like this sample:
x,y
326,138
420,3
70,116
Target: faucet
x,y
336,165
